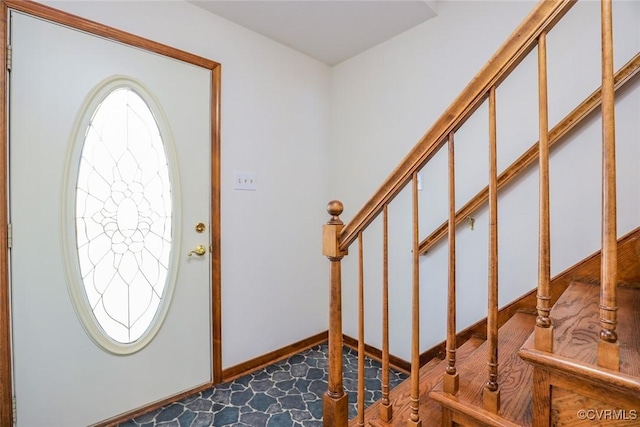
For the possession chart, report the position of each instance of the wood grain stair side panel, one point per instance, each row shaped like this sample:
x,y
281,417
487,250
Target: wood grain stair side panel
x,y
514,377
629,330
570,409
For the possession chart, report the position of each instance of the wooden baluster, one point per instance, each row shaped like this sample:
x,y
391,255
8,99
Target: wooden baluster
x,y
360,332
414,417
608,349
544,330
385,405
451,377
335,412
491,394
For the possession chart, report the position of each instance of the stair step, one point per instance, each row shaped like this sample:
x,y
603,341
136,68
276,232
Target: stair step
x,y
576,320
514,378
400,396
572,379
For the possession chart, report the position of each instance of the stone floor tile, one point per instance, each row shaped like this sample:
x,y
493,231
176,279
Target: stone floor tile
x,y
286,394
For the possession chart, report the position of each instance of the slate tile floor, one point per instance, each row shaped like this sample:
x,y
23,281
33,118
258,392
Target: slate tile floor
x,y
285,394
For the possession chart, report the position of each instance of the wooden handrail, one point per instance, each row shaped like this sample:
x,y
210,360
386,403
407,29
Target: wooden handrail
x,y
543,17
574,118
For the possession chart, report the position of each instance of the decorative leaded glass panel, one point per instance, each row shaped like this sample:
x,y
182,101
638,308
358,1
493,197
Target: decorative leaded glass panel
x,y
123,215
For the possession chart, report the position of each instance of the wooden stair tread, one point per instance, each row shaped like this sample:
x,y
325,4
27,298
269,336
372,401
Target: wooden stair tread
x,y
400,396
576,320
576,332
514,378
430,412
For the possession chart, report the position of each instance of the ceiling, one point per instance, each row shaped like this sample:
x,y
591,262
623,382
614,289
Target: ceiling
x,y
328,30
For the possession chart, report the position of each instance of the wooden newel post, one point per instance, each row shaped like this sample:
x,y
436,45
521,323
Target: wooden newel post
x,y
335,410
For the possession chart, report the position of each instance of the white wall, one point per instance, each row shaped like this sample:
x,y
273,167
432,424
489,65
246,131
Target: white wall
x,y
281,110
386,98
275,121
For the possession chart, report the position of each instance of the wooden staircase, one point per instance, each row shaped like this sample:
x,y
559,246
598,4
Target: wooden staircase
x,y
572,355
516,377
563,388
575,316
569,389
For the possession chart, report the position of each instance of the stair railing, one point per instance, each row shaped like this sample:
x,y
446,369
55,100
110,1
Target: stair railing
x,y
337,237
556,135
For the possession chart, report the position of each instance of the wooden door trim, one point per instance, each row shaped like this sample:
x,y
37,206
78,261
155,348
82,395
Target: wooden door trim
x,y
6,379
82,24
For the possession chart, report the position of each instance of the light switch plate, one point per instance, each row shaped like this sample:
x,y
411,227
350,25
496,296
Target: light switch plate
x,y
244,181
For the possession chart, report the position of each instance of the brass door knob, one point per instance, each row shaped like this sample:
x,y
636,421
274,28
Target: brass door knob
x,y
199,250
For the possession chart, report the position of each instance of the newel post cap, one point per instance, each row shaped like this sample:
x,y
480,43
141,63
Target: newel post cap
x,y
335,208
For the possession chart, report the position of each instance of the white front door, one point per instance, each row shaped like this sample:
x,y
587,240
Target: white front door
x,y
62,376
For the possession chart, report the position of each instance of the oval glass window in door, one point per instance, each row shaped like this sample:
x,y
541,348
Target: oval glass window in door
x,y
124,218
